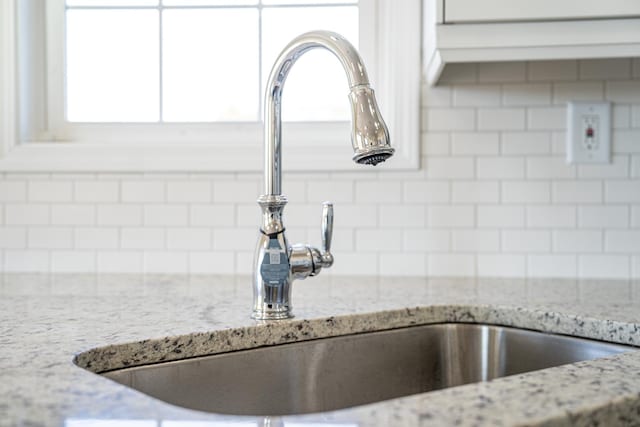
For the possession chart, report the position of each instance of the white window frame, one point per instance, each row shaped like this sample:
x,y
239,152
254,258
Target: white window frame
x,y
393,63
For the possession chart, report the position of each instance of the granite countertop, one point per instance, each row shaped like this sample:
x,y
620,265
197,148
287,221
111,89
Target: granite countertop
x,y
113,321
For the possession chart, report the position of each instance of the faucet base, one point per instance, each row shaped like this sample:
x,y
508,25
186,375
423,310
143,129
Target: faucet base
x,y
272,312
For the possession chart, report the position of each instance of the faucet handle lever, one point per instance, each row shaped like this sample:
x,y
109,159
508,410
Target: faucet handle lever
x,y
327,232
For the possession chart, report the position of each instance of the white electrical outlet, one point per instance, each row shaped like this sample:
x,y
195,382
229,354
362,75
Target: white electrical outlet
x,y
588,132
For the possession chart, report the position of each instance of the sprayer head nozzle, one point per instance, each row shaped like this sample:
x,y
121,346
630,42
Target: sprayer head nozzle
x,y
373,156
370,137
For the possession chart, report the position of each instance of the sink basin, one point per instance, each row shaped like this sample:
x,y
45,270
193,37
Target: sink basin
x,y
334,373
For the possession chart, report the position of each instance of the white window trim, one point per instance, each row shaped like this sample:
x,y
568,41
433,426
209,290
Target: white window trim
x,y
395,77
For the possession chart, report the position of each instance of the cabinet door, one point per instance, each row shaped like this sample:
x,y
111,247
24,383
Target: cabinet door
x,y
465,11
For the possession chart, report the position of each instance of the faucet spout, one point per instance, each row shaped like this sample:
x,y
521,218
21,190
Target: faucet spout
x,y
370,137
276,263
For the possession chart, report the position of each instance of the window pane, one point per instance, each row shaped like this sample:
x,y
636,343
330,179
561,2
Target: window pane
x,y
112,65
316,88
112,3
210,60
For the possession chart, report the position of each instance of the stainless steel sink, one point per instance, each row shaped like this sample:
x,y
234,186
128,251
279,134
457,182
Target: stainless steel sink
x,y
346,371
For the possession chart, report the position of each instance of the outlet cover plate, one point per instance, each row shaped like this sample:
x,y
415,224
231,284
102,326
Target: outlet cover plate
x,y
588,132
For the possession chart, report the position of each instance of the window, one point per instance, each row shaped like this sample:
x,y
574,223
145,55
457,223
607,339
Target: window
x,y
189,94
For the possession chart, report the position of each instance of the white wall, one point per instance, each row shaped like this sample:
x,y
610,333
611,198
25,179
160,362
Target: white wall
x,y
494,196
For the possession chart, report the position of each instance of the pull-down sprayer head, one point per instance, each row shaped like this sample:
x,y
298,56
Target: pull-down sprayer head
x,y
369,135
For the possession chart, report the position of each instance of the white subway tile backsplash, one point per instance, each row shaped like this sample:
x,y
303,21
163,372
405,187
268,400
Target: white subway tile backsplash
x,y
378,240
474,143
235,191
623,91
558,266
577,241
549,168
618,168
427,192
230,239
403,264
13,237
604,266
500,167
189,192
526,192
378,192
553,70
120,261
73,261
494,195
501,265
475,192
50,191
28,261
626,141
166,215
501,216
501,72
501,119
526,143
451,216
435,144
610,68
50,237
621,116
73,214
635,168
143,191
96,238
526,241
622,191
635,116
27,214
526,94
449,167
603,216
166,262
546,118
211,262
13,191
338,191
551,216
476,241
476,95
635,216
440,119
437,96
577,91
622,241
119,215
402,216
577,192
213,215
189,239
97,191
143,238
451,265
424,240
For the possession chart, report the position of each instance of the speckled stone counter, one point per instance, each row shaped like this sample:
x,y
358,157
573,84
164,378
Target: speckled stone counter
x,y
113,321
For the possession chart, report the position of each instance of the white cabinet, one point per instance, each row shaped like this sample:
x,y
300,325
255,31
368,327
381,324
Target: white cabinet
x,y
527,30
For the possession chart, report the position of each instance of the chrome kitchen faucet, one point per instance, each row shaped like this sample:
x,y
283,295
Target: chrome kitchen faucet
x,y
277,264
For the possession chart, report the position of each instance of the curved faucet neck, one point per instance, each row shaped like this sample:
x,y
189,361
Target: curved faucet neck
x,y
356,76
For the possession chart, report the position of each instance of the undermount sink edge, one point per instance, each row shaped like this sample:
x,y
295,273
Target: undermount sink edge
x,y
147,352
205,343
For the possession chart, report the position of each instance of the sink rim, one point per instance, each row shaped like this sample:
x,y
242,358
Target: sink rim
x,y
147,351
